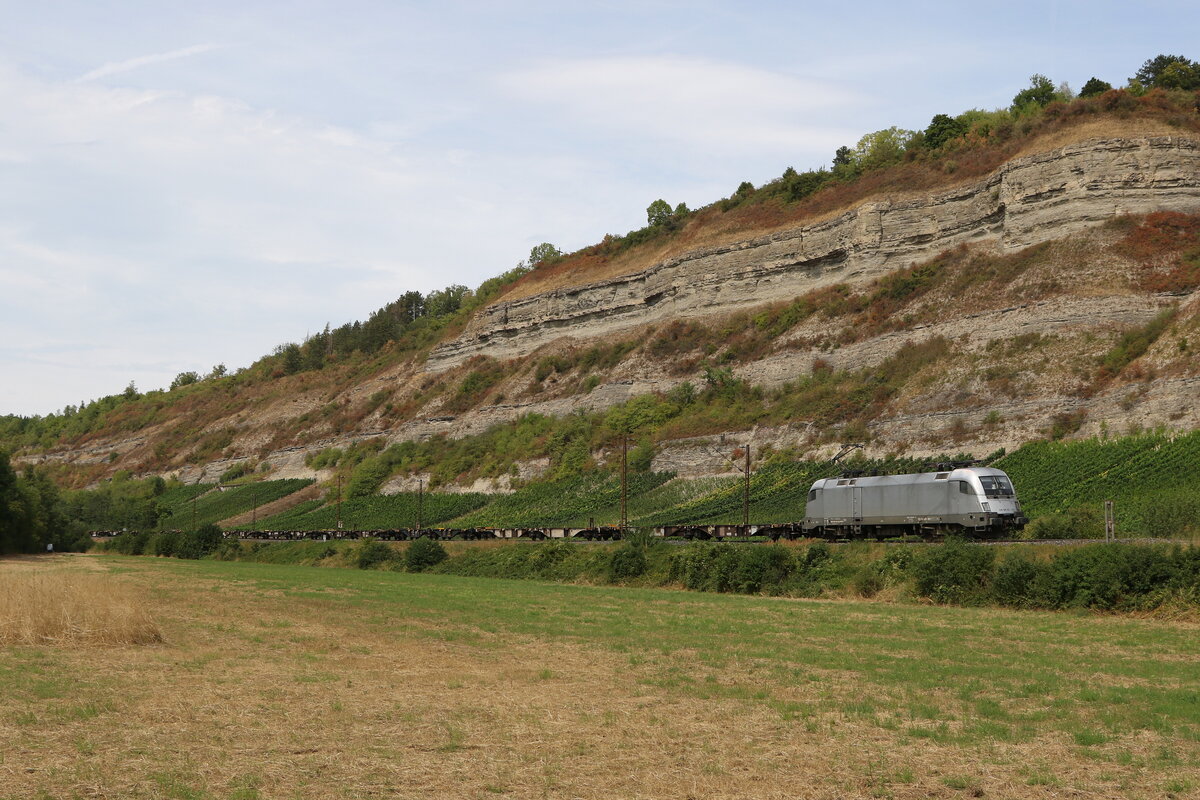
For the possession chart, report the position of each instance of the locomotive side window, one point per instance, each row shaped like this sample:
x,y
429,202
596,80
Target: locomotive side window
x,y
812,494
964,487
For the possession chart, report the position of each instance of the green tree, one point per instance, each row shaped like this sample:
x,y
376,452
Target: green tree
x,y
798,185
881,148
1095,86
1179,75
943,129
14,514
544,254
1168,72
641,458
658,213
184,379
446,301
423,554
1040,92
292,358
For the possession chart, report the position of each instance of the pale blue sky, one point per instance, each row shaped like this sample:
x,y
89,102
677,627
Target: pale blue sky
x,y
183,184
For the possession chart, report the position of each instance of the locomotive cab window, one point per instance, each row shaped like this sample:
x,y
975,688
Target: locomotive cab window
x,y
812,494
996,485
964,487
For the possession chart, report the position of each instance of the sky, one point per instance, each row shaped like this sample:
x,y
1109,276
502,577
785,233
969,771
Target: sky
x,y
190,184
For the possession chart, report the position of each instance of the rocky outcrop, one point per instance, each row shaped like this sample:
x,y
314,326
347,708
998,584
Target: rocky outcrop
x,y
1029,200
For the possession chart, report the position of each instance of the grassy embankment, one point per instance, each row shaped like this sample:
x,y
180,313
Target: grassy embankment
x,y
290,682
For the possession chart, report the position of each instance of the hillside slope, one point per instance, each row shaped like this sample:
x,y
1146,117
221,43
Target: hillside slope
x,y
1038,300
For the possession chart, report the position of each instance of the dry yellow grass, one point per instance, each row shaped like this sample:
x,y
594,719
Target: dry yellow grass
x,y
72,608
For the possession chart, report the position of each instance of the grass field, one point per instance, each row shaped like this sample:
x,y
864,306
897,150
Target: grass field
x,y
282,682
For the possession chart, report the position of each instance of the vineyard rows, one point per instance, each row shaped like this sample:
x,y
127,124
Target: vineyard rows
x,y
566,502
1138,473
382,512
217,504
1143,475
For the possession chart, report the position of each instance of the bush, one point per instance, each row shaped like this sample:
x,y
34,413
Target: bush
x,y
816,555
762,568
423,554
371,553
165,544
199,543
1016,581
233,473
118,544
228,550
735,568
367,477
1077,523
892,569
627,561
957,572
703,567
1107,576
1173,515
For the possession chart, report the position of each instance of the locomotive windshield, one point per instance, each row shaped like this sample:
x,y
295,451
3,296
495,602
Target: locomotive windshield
x,y
996,485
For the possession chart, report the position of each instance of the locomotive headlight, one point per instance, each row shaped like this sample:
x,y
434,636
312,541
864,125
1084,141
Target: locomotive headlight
x,y
986,506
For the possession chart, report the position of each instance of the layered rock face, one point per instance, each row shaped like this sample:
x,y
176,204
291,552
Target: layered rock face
x,y
1029,200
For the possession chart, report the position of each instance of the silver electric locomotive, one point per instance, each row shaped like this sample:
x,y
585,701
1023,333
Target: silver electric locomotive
x,y
978,501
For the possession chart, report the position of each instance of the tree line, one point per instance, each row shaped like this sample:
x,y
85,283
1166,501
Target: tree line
x,y
34,513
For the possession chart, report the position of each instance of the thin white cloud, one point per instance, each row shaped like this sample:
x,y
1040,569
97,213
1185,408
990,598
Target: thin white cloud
x,y
194,212
710,105
116,67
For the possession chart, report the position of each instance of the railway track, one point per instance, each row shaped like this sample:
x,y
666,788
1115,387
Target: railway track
x,y
732,534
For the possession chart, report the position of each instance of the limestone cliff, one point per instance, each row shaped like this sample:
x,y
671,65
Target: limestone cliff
x,y
1029,200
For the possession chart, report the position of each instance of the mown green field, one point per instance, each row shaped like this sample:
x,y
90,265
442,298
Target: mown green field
x,y
297,682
